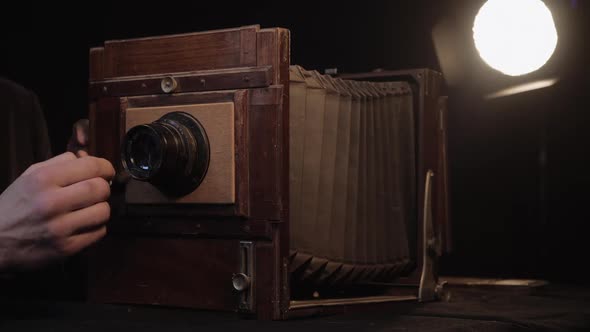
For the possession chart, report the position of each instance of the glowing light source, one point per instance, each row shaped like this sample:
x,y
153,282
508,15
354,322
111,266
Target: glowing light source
x,y
515,37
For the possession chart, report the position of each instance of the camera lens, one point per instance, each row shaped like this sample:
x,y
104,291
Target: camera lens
x,y
171,153
144,151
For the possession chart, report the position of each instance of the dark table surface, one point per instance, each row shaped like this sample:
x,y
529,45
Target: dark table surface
x,y
552,308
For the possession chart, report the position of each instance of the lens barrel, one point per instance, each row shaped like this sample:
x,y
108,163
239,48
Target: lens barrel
x,y
172,153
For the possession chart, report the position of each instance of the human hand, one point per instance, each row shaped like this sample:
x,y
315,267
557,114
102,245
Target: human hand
x,y
78,144
55,209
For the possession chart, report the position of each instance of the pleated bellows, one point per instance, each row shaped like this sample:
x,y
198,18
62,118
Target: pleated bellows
x,y
352,179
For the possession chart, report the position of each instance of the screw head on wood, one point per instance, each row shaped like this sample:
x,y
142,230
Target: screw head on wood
x,y
168,84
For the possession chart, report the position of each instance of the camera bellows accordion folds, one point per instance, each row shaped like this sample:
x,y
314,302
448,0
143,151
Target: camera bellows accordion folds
x,y
352,179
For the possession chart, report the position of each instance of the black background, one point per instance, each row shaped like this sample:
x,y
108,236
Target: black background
x,y
503,224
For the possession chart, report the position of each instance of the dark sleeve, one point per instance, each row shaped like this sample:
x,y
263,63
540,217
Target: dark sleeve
x,y
24,138
41,141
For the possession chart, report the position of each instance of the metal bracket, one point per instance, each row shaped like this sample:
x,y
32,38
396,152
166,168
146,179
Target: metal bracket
x,y
429,287
244,281
331,71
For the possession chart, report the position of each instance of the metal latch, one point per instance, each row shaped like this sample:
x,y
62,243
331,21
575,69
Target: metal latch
x,y
244,281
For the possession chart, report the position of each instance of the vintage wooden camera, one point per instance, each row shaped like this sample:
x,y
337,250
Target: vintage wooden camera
x,y
260,187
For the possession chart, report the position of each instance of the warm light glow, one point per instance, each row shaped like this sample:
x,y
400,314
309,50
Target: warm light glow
x,y
515,37
526,87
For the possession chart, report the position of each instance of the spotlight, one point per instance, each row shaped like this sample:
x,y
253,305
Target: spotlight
x,y
515,37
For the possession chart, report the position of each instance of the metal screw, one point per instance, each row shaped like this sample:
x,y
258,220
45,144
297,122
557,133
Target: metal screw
x,y
168,84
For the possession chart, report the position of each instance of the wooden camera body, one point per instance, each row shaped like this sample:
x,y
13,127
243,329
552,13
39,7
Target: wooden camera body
x,y
229,188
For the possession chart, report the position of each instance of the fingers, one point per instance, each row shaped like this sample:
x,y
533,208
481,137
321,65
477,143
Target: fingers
x,y
81,220
81,131
81,153
67,173
81,195
64,157
76,243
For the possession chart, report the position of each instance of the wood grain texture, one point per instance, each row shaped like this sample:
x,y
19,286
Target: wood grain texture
x,y
282,249
266,305
242,152
248,45
240,100
218,186
273,48
180,53
177,272
264,144
206,80
250,125
182,99
186,224
261,152
96,62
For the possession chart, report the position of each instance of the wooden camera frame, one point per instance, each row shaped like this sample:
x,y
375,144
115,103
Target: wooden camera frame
x,y
234,256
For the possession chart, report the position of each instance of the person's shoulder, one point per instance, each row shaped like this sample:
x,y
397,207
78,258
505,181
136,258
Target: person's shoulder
x,y
10,90
13,88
